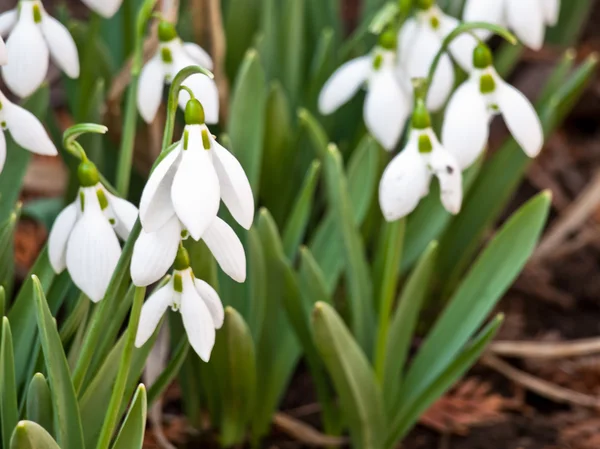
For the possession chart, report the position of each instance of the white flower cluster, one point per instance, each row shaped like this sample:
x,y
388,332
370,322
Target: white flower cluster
x,y
399,58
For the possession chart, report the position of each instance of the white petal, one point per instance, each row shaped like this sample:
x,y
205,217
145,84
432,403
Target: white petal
x,y
59,235
197,319
236,192
62,46
344,83
205,90
156,207
551,11
521,118
403,184
125,215
152,311
28,55
8,20
3,52
2,150
466,127
462,47
150,88
526,18
154,253
407,36
195,192
386,108
212,301
27,131
106,8
199,55
225,245
484,11
446,169
93,249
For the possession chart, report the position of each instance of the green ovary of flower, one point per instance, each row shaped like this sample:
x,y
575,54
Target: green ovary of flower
x,y
388,40
88,174
182,259
166,31
194,113
482,57
421,118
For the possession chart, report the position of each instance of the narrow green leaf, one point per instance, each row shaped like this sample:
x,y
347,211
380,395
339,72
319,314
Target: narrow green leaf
x,y
360,397
66,409
312,279
322,65
2,301
571,24
269,42
30,435
297,222
9,411
39,402
241,22
257,283
7,250
357,268
131,435
315,132
293,40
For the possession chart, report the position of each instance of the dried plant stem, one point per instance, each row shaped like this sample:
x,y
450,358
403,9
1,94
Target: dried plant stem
x,y
546,350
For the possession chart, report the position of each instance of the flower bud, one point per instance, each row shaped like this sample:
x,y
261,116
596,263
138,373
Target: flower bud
x,y
88,174
194,113
166,31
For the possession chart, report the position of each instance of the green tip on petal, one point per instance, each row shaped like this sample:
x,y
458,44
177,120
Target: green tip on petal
x,y
166,31
487,85
424,4
425,145
194,113
37,14
482,56
388,40
182,260
88,174
421,118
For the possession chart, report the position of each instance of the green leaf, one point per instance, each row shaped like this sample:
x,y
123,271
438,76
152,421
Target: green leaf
x,y
358,275
312,279
7,250
39,402
572,22
322,65
9,408
315,132
131,435
268,42
360,397
257,285
297,222
404,324
489,278
66,409
241,22
30,435
247,115
459,366
293,40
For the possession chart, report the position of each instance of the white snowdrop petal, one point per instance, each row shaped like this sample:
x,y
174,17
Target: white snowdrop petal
x,y
446,169
520,117
3,52
227,248
466,128
27,131
199,55
152,311
386,108
344,83
205,91
156,207
2,150
462,47
197,319
62,46
125,215
93,249
150,88
551,11
59,235
106,8
403,184
484,11
407,36
195,192
8,20
154,253
28,55
236,192
212,301
526,19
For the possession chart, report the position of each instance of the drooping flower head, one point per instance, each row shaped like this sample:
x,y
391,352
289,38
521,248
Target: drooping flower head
x,y
34,37
106,8
388,101
477,101
199,304
84,237
407,178
172,56
419,41
25,129
527,18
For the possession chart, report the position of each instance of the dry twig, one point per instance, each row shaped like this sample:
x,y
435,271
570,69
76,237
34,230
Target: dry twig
x,y
305,433
546,350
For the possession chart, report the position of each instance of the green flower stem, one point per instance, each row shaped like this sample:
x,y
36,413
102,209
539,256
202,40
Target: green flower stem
x,y
112,415
87,67
129,126
467,28
71,135
127,20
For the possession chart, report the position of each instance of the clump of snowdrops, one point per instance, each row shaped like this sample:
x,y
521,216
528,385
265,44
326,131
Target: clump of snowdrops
x,y
370,205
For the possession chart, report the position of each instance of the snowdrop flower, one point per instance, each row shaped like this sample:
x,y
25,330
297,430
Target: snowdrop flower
x,y
34,36
173,56
419,41
388,101
84,239
476,102
406,179
154,252
191,180
25,129
106,8
200,306
527,18
3,52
